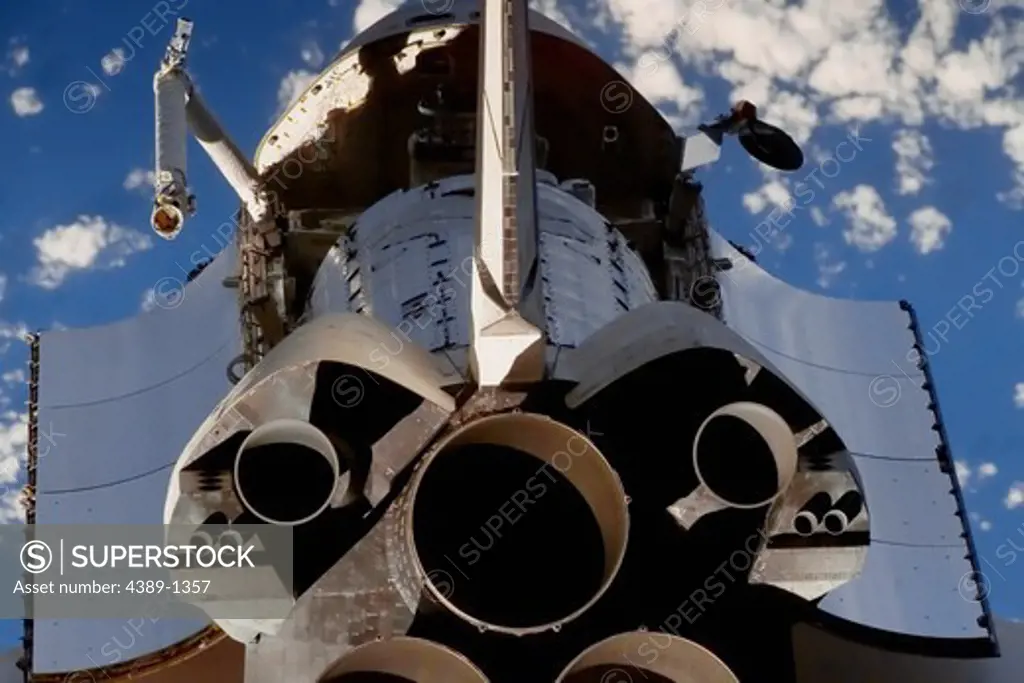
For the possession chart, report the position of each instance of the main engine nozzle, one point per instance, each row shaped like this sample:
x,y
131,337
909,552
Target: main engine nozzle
x,y
655,657
515,523
286,472
407,659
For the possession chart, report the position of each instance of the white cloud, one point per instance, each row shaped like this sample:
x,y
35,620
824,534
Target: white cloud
x,y
20,56
1018,395
113,62
870,225
10,333
370,11
1013,146
552,10
13,454
148,302
982,523
16,376
857,109
782,241
963,473
13,330
928,229
87,243
1020,308
26,102
660,82
140,178
793,112
292,86
312,55
828,268
16,58
818,216
773,192
295,82
1015,496
914,159
3,286
11,508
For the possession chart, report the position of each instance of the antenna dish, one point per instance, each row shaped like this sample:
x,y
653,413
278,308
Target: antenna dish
x,y
771,146
767,143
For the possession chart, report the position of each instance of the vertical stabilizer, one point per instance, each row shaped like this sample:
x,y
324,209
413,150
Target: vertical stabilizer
x,y
507,343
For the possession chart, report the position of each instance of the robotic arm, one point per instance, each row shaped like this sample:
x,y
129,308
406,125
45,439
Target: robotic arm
x,y
179,108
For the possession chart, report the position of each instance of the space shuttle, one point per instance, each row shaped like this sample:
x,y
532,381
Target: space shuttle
x,y
524,414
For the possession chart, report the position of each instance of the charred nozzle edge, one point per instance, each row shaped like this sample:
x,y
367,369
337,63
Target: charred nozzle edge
x,y
677,659
414,659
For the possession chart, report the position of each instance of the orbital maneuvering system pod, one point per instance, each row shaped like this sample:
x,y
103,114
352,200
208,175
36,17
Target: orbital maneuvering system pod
x,y
507,439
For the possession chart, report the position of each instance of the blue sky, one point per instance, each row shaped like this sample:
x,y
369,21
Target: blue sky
x,y
926,208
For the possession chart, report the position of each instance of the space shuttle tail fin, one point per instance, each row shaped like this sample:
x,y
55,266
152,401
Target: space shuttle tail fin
x,y
507,340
